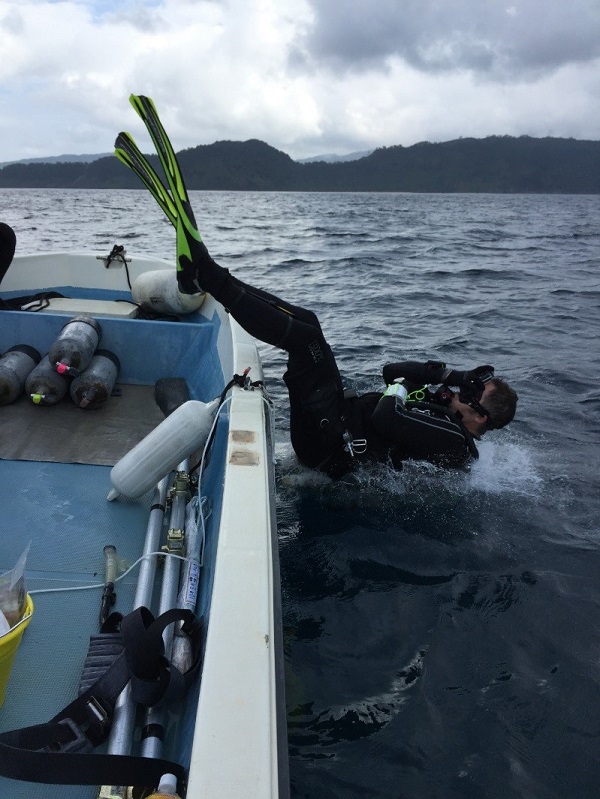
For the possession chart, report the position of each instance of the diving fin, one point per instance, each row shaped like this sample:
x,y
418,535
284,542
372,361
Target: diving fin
x,y
129,153
190,247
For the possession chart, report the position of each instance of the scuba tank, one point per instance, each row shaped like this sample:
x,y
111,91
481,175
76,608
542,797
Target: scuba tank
x,y
176,437
45,385
158,290
94,385
15,366
167,788
75,345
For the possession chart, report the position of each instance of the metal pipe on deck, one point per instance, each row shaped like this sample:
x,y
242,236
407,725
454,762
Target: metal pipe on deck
x,y
121,734
153,731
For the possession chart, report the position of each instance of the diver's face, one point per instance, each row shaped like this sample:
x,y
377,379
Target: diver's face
x,y
474,421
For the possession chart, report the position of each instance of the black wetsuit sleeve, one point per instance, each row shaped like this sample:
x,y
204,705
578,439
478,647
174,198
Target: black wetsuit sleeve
x,y
414,372
419,434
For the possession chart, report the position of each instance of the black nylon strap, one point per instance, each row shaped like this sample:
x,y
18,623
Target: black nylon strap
x,y
58,752
67,768
154,680
15,303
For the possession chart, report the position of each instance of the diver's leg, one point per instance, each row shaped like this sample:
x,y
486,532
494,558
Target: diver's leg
x,y
312,377
264,315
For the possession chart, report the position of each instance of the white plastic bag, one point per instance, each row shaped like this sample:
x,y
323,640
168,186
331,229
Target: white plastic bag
x,y
13,596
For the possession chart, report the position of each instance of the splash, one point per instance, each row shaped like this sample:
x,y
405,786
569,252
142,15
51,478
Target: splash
x,y
292,473
505,467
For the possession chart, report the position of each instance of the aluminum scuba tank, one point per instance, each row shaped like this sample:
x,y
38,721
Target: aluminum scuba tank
x,y
75,344
167,788
45,385
158,290
15,366
176,437
93,386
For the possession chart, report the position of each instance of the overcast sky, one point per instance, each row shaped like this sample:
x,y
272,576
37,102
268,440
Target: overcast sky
x,y
307,76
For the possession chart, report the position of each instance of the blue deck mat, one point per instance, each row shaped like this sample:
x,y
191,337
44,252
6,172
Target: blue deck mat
x,y
48,665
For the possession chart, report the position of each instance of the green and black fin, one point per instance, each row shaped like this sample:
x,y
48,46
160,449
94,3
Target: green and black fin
x,y
129,153
190,248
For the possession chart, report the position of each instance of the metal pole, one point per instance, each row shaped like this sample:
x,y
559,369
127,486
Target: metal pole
x,y
109,596
154,728
121,734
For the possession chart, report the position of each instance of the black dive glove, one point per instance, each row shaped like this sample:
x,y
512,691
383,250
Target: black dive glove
x,y
473,380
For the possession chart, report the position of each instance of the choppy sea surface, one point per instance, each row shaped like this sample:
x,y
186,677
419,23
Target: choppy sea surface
x,y
442,630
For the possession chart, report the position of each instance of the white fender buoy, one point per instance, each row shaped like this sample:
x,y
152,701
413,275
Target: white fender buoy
x,y
176,438
158,290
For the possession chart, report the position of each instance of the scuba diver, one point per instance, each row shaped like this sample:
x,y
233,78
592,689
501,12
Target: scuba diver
x,y
428,412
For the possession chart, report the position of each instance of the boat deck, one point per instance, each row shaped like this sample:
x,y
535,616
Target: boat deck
x,y
66,530
63,433
54,479
55,474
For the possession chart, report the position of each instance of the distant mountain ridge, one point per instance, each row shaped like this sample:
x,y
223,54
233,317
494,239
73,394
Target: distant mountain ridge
x,y
495,164
329,158
55,159
332,158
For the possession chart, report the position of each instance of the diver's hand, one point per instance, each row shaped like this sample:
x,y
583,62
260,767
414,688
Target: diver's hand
x,y
481,374
473,380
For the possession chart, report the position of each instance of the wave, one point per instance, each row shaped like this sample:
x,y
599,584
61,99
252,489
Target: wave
x,y
492,234
591,293
132,235
475,271
358,719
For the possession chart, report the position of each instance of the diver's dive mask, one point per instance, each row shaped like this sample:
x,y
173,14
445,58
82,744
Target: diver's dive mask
x,y
472,397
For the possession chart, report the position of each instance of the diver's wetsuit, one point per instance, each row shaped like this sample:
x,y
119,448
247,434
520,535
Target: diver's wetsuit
x,y
320,413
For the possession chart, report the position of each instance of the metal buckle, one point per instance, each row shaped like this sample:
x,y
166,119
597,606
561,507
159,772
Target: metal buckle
x,y
98,721
80,742
359,446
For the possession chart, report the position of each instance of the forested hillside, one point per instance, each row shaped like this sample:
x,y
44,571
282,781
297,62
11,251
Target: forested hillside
x,y
494,164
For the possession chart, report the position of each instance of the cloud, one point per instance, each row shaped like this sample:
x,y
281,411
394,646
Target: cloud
x,y
500,40
307,76
216,70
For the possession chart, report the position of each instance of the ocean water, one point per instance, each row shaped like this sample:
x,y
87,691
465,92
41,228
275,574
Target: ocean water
x,y
442,630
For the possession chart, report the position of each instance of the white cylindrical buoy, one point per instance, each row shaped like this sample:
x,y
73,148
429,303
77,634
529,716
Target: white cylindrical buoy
x,y
158,290
75,344
15,366
175,438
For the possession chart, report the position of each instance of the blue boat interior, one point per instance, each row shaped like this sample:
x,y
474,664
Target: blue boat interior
x,y
55,498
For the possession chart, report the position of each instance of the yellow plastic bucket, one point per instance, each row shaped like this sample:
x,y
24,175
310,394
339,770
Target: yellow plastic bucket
x,y
9,643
